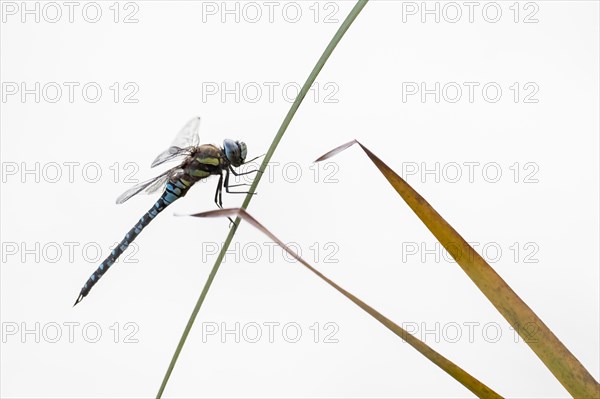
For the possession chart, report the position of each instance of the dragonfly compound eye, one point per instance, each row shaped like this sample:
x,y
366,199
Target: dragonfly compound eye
x,y
232,152
243,150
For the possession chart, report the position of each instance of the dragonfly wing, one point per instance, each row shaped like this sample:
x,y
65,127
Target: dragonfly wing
x,y
188,135
186,139
153,184
171,153
160,183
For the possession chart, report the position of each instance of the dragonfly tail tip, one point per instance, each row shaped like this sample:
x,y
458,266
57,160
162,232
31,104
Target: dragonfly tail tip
x,y
79,298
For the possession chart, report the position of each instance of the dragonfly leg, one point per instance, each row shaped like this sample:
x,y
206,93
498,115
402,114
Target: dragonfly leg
x,y
255,158
221,192
219,197
236,185
244,173
221,201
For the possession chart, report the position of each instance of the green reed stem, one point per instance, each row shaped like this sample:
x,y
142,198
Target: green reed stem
x,y
288,118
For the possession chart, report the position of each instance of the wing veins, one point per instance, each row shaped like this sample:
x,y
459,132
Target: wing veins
x,y
150,185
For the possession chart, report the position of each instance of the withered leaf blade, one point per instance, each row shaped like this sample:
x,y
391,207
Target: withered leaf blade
x,y
336,150
460,375
551,351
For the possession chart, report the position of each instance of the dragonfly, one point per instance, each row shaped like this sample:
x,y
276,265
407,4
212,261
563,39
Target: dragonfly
x,y
197,162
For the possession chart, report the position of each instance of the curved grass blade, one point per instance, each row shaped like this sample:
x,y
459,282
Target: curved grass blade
x,y
460,375
557,358
284,125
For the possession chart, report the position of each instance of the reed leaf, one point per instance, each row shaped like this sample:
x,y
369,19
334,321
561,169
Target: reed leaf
x,y
553,353
284,125
460,375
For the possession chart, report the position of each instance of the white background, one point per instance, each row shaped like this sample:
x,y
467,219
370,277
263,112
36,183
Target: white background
x,y
171,55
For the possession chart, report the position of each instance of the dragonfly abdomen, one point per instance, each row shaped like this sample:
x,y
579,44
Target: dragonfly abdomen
x,y
173,191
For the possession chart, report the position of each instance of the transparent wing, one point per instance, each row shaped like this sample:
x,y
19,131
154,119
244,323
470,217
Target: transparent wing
x,y
149,185
186,139
188,135
160,183
170,154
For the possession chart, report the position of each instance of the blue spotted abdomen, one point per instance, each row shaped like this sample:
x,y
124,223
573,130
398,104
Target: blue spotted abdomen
x,y
174,190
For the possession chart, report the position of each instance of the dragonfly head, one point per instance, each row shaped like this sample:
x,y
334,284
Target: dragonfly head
x,y
235,151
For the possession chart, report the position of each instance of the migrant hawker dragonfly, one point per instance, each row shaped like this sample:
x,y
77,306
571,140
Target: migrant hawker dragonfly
x,y
199,162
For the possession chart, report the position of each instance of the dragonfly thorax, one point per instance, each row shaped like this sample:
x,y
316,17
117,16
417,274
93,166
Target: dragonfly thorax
x,y
235,151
